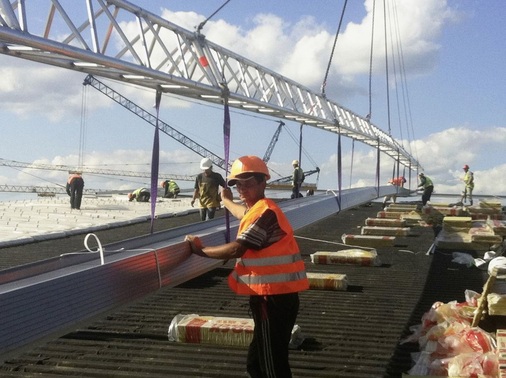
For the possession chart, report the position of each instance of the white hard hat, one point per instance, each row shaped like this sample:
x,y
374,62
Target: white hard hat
x,y
295,162
206,163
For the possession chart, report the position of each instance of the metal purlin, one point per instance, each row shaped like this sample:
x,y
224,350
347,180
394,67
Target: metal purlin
x,y
155,160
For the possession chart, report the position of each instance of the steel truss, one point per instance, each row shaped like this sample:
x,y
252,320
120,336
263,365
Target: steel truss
x,y
121,41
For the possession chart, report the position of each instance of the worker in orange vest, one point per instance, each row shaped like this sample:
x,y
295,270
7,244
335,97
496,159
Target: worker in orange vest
x,y
74,188
397,181
268,268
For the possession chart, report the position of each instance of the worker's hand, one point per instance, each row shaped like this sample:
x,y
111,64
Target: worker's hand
x,y
226,193
195,244
192,202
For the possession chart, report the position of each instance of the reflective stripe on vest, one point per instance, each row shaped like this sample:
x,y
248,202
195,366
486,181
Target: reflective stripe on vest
x,y
268,261
277,269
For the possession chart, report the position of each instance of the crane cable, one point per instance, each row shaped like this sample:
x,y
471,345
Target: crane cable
x,y
369,114
82,129
324,84
201,25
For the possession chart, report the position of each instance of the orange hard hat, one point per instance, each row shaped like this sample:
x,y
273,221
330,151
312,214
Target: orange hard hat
x,y
247,164
465,166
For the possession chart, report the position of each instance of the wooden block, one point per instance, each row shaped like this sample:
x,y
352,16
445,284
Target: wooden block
x,y
327,281
368,240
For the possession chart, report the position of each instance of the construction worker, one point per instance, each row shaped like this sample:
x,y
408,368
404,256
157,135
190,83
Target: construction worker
x,y
268,268
206,189
297,179
140,195
74,188
468,179
171,188
397,181
428,187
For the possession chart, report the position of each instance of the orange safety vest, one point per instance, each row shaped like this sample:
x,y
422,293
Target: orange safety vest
x,y
72,177
398,181
277,269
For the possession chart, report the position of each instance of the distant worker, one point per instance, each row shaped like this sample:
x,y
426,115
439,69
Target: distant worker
x,y
297,179
427,186
206,189
140,195
74,188
398,181
171,189
268,268
468,179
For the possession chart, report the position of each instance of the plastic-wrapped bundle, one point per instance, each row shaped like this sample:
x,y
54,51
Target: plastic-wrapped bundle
x,y
385,222
211,330
354,256
368,240
327,281
198,329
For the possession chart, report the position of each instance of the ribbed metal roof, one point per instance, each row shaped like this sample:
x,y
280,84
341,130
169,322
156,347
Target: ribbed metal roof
x,y
352,333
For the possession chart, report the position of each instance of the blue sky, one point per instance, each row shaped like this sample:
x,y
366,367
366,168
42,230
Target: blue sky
x,y
453,54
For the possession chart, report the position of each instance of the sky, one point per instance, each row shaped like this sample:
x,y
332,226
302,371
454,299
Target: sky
x,y
446,96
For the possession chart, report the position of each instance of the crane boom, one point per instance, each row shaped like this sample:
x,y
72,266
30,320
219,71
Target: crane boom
x,y
274,140
105,172
150,118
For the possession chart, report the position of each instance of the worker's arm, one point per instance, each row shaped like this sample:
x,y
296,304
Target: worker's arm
x,y
222,252
195,196
236,209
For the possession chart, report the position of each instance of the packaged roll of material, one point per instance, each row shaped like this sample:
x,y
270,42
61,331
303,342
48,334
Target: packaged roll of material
x,y
211,330
498,226
354,256
457,223
368,240
198,329
484,210
384,222
491,204
402,206
496,304
389,231
486,238
327,281
389,214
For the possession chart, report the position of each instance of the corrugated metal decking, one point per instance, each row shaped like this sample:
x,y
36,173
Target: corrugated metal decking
x,y
353,333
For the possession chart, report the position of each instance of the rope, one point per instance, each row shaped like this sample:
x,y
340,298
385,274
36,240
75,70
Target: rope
x,y
386,69
336,243
155,160
369,115
82,130
333,49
